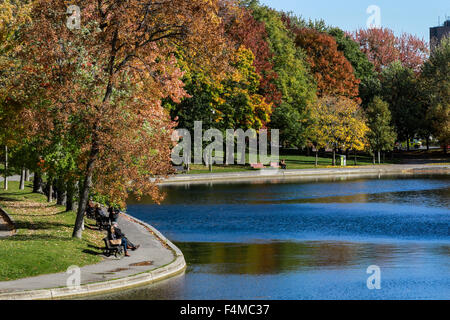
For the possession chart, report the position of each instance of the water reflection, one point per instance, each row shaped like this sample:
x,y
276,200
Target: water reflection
x,y
303,240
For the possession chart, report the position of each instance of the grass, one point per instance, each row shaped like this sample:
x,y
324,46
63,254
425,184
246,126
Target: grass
x,y
43,243
293,162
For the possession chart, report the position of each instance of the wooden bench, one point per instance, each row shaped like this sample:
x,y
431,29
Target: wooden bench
x,y
274,165
181,169
257,166
110,249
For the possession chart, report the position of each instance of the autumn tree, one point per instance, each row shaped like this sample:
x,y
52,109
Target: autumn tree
x,y
382,135
383,48
337,123
228,102
245,30
294,80
105,83
333,72
14,14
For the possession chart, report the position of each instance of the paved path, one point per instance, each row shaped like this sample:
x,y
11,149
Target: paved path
x,y
151,252
5,230
12,178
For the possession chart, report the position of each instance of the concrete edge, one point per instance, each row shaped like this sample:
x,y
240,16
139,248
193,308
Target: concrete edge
x,y
305,173
176,267
9,220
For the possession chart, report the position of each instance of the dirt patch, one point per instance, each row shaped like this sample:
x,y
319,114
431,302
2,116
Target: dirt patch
x,y
141,264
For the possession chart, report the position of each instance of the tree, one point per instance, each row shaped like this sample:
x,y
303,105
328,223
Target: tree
x,y
435,80
244,30
381,136
229,102
105,83
338,123
332,71
13,15
400,90
383,48
363,69
294,81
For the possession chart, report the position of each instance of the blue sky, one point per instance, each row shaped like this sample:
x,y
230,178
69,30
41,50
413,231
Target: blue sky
x,y
412,16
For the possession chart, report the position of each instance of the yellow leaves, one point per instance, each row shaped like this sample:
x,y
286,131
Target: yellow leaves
x,y
337,123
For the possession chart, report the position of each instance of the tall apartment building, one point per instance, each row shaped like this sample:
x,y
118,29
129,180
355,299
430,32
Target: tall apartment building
x,y
438,33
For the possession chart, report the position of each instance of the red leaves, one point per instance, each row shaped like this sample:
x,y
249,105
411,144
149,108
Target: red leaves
x,y
332,71
382,48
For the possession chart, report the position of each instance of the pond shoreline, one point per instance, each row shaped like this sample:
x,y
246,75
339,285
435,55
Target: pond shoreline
x,y
51,287
306,174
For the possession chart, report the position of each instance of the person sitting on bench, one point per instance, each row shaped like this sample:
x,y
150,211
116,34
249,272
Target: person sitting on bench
x,y
114,214
283,164
90,210
115,234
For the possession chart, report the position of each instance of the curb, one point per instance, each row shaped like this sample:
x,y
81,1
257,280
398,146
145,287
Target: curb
x,y
176,267
9,221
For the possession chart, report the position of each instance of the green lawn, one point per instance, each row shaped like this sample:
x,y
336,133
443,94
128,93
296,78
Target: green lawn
x,y
293,162
43,243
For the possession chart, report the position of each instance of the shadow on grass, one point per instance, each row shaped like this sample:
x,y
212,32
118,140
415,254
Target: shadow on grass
x,y
40,225
93,253
39,215
7,199
38,237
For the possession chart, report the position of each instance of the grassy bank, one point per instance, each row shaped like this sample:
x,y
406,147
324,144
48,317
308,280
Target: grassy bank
x,y
43,242
293,162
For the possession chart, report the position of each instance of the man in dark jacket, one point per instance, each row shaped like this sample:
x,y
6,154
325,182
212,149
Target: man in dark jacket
x,y
115,234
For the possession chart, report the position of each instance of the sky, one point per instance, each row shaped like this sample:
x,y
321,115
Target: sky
x,y
414,16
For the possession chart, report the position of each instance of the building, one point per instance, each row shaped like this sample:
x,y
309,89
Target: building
x,y
438,33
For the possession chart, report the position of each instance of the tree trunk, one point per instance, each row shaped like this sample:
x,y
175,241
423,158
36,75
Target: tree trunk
x,y
37,183
317,157
334,157
49,190
5,182
62,194
374,160
356,158
85,189
428,143
408,146
22,179
379,157
70,196
27,175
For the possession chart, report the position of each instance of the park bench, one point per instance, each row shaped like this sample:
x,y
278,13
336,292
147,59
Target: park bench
x,y
110,249
180,169
257,166
274,165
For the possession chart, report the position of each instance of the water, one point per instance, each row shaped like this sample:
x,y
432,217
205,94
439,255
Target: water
x,y
305,240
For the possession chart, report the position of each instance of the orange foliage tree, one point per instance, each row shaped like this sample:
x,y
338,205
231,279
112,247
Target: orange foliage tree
x,y
102,84
332,71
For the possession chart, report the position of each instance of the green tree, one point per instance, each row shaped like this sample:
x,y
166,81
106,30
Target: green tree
x,y
381,136
400,90
362,67
435,80
294,79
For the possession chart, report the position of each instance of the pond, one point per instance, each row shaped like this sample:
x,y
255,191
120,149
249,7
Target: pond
x,y
305,239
